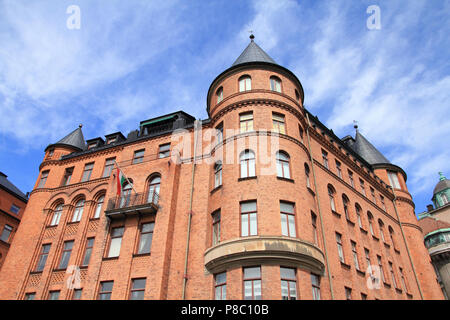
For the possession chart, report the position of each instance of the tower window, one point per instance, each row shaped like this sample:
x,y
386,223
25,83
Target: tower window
x,y
245,83
275,84
219,94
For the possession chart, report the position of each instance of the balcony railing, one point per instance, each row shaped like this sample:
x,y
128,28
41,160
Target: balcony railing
x,y
134,203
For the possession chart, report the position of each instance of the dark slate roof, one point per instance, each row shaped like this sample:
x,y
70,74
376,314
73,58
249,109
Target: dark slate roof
x,y
253,53
5,183
441,185
74,139
366,150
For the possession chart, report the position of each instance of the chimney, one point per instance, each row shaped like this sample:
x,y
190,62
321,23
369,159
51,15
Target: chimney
x,y
430,207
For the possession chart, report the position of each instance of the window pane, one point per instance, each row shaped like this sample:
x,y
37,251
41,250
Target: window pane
x,y
284,229
251,168
287,273
252,273
248,206
114,249
286,207
257,289
244,225
253,226
145,243
139,283
291,226
293,290
247,290
221,278
284,290
286,170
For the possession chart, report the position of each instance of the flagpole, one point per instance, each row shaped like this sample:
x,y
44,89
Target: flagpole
x,y
125,177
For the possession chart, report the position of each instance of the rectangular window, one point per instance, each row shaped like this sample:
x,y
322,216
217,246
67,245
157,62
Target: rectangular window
x,y
325,159
44,176
372,193
87,172
355,255
393,179
315,283
109,164
65,255
67,176
111,140
339,247
300,130
287,219
138,156
115,242
53,295
383,205
217,174
220,286
164,150
30,296
380,264
14,209
137,289
88,251
248,219
92,145
363,296
278,123
288,284
252,283
77,294
367,254
6,233
246,121
348,293
314,226
339,169
105,290
216,227
43,257
350,178
146,237
219,133
363,189
391,270
402,277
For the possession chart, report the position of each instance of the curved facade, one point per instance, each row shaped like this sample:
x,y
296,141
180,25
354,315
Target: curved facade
x,y
260,201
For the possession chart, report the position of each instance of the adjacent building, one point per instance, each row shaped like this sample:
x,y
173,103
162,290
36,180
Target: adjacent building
x,y
259,201
435,224
12,207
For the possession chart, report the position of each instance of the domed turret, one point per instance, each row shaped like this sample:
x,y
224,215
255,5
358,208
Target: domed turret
x,y
441,193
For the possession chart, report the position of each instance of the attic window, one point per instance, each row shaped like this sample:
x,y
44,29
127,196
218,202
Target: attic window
x,y
92,145
111,140
50,152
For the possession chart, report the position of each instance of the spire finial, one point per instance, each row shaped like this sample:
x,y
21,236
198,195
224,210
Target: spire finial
x,y
355,124
441,176
80,125
251,35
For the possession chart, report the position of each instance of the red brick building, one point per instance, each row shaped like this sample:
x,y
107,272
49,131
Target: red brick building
x,y
261,201
12,206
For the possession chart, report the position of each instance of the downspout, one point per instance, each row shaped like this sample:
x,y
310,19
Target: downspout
x,y
197,123
318,207
406,244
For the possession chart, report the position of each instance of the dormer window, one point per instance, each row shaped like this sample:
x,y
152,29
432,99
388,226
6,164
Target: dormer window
x,y
50,152
275,84
219,94
92,145
111,140
245,83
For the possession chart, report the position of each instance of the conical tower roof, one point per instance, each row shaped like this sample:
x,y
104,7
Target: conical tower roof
x,y
366,150
253,53
75,139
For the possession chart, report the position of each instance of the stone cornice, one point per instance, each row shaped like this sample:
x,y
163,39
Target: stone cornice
x,y
70,186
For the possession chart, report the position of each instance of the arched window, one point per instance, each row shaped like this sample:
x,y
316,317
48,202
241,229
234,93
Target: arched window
x,y
218,174
391,235
78,212
444,198
245,83
297,95
283,165
219,94
331,193
275,84
308,182
57,215
381,225
346,205
125,198
98,208
358,215
247,159
153,189
370,219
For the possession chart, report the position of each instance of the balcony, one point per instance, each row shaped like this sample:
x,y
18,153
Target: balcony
x,y
267,250
133,204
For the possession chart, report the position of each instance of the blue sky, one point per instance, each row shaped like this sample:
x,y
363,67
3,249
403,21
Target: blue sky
x,y
134,60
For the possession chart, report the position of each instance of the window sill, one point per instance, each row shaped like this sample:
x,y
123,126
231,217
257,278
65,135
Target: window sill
x,y
285,179
110,258
35,272
5,243
73,222
83,267
59,270
215,189
141,255
360,272
311,191
346,266
94,219
246,178
51,226
350,222
336,214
